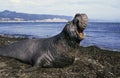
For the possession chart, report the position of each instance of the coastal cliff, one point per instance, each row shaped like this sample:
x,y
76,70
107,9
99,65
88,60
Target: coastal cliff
x,y
91,62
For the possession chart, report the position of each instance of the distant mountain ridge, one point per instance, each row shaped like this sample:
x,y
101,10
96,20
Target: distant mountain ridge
x,y
13,16
7,15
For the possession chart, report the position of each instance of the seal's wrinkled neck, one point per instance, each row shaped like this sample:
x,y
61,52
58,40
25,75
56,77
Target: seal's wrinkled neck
x,y
64,40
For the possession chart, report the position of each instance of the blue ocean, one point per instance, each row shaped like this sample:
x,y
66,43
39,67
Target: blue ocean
x,y
100,34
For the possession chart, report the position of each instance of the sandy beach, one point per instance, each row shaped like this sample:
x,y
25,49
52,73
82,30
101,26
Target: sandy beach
x,y
91,62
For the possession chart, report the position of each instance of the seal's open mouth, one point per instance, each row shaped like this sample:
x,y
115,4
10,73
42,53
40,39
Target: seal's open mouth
x,y
80,33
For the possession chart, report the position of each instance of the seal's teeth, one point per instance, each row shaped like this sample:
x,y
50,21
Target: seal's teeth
x,y
82,36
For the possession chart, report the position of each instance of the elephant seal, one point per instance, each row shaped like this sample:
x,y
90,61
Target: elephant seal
x,y
56,51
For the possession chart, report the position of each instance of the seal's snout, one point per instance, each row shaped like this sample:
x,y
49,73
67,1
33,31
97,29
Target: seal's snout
x,y
84,21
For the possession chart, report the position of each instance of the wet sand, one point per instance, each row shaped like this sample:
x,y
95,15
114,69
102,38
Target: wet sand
x,y
91,62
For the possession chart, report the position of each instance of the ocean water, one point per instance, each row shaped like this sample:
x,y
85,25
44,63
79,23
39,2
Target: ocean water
x,y
103,35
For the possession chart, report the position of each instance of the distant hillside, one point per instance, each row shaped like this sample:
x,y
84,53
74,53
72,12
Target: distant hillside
x,y
15,16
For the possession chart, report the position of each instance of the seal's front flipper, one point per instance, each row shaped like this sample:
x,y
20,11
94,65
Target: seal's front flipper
x,y
34,68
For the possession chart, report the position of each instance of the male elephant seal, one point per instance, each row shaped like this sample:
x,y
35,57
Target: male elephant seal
x,y
57,51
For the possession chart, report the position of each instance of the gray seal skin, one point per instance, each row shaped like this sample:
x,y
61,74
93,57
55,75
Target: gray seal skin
x,y
57,51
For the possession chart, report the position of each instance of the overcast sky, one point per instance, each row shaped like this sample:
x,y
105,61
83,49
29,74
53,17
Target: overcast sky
x,y
95,9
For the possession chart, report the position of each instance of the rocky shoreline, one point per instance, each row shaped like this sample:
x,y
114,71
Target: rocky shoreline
x,y
91,62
